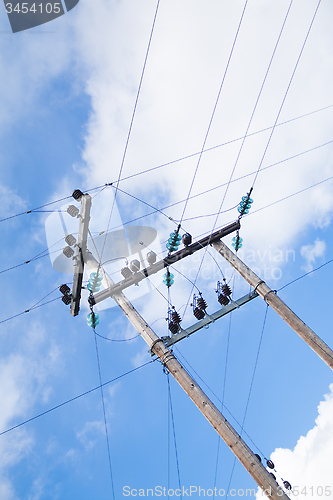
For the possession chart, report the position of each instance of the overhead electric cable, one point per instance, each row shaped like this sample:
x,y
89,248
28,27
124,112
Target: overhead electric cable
x,y
174,434
286,93
75,398
104,415
142,172
214,109
132,121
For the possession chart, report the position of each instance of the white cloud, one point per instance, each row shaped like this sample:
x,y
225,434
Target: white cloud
x,y
308,465
311,252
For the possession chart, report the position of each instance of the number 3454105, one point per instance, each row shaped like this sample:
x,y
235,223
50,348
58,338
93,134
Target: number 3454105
x,y
23,8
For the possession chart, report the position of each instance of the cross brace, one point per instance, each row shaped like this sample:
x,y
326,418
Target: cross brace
x,y
208,319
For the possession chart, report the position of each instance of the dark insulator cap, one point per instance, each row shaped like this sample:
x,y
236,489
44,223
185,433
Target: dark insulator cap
x,y
187,239
258,456
173,327
126,272
271,474
77,195
201,303
270,464
223,299
64,289
70,240
68,251
135,266
66,299
198,313
175,317
73,210
287,485
151,257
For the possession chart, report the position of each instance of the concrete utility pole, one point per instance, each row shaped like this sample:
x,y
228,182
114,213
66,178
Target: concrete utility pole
x,y
277,304
244,454
81,247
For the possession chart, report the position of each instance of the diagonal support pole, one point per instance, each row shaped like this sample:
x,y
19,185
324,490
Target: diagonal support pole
x,y
308,335
234,441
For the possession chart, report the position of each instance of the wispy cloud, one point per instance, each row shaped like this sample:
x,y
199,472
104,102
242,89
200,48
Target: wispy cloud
x,y
312,252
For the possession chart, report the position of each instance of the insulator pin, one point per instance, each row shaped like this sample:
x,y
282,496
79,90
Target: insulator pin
x,y
135,266
73,210
151,258
126,272
68,252
187,239
70,240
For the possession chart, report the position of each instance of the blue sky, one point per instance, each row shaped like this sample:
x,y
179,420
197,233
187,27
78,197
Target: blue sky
x,y
68,90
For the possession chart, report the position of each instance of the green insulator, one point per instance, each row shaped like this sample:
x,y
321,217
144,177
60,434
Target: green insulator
x,y
173,241
93,320
95,281
168,279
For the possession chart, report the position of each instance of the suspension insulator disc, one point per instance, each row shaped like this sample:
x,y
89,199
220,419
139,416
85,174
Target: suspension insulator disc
x,y
68,251
64,289
270,464
66,299
198,313
70,240
73,211
77,194
201,303
287,485
173,327
175,317
226,290
223,299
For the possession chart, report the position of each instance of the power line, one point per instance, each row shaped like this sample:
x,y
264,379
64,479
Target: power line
x,y
286,93
75,398
132,120
104,415
215,107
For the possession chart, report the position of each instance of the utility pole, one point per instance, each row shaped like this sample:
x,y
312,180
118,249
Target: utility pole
x,y
81,247
245,455
270,297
